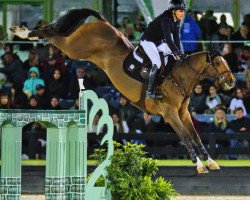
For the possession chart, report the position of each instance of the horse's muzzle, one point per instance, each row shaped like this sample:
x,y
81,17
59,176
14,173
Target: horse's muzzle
x,y
229,83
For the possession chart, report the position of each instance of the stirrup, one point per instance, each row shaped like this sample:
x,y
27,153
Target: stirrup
x,y
153,95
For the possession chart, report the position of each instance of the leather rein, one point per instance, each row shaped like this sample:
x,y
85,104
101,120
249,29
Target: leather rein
x,y
220,78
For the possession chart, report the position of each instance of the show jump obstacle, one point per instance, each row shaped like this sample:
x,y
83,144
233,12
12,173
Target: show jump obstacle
x,y
66,150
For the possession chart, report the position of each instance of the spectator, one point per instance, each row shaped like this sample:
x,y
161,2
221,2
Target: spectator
x,y
240,125
247,19
140,21
42,96
209,25
145,124
76,105
220,123
8,48
48,68
120,126
224,32
223,21
138,31
5,102
20,100
126,112
32,61
231,57
93,128
190,31
54,103
238,101
87,65
13,70
34,141
128,28
31,83
244,58
212,100
55,84
74,89
197,104
100,77
195,16
247,22
241,35
33,103
246,77
59,59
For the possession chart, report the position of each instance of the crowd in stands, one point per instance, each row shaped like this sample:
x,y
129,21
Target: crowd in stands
x,y
48,79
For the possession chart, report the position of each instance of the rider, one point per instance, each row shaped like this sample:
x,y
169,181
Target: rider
x,y
163,30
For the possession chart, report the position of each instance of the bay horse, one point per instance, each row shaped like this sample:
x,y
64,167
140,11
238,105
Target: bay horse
x,y
102,44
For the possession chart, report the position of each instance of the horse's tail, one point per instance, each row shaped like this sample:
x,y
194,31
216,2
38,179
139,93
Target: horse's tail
x,y
69,22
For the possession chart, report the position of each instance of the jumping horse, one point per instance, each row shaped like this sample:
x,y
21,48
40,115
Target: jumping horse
x,y
102,44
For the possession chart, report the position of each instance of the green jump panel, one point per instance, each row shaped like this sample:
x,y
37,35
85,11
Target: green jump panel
x,y
66,150
11,163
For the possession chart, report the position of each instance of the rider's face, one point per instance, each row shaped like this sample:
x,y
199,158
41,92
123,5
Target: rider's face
x,y
179,14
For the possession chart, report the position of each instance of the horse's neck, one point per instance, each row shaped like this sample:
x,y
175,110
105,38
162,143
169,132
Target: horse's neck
x,y
188,73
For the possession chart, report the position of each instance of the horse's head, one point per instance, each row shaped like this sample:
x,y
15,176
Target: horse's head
x,y
219,70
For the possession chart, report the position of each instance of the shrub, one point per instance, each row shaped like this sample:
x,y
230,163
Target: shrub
x,y
130,174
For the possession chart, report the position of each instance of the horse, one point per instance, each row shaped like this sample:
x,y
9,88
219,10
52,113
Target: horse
x,y
101,43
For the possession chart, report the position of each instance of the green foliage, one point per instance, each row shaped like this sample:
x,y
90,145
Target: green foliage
x,y
130,174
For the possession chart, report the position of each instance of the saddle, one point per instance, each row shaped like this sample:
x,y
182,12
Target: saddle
x,y
137,65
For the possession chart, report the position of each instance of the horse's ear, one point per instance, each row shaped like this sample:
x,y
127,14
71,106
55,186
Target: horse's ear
x,y
212,52
221,47
210,47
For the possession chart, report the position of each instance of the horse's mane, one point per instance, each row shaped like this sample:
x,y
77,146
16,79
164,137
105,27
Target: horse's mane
x,y
69,22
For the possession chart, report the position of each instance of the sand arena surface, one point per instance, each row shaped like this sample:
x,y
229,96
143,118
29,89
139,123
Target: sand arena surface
x,y
42,197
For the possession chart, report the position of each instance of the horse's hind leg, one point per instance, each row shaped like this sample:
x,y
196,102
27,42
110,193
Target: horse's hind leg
x,y
171,116
25,33
186,119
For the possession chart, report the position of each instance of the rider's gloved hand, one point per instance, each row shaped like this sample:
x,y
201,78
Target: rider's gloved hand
x,y
183,57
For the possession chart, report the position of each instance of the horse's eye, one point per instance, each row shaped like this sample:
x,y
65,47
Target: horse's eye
x,y
217,62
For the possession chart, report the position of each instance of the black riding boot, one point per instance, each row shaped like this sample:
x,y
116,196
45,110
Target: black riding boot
x,y
151,82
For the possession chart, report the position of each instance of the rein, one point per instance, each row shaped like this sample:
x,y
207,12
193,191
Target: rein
x,y
182,88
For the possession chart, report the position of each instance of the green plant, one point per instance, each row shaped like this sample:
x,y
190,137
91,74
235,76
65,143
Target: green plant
x,y
130,174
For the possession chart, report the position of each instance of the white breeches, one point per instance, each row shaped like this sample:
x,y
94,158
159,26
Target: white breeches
x,y
153,52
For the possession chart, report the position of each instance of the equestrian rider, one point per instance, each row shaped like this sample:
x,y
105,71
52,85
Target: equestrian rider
x,y
163,34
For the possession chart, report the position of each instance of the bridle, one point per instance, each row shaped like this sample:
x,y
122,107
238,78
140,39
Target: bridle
x,y
210,63
210,59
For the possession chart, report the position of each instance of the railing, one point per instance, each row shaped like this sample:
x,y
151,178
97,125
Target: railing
x,y
169,144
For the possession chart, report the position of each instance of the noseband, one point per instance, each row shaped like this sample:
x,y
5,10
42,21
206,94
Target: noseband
x,y
209,59
222,75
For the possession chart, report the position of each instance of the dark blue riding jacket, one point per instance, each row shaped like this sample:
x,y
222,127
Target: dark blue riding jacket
x,y
164,28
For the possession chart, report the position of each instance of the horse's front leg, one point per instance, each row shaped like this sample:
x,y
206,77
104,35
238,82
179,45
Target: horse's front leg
x,y
186,119
171,116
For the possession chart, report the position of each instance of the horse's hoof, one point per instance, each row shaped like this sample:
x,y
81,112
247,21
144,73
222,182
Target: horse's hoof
x,y
13,29
202,170
213,166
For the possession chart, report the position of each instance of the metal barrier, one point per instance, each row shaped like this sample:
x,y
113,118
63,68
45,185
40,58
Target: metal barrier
x,y
66,153
168,144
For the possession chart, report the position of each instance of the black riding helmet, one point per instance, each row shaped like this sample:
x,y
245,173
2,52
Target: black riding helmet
x,y
176,5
